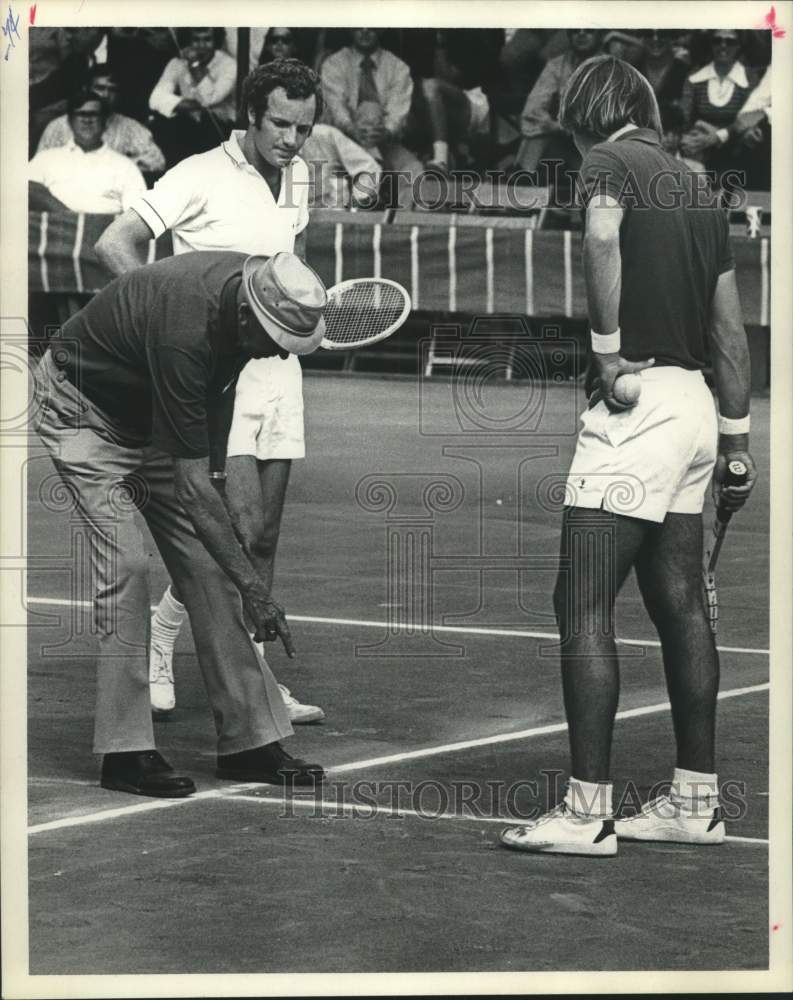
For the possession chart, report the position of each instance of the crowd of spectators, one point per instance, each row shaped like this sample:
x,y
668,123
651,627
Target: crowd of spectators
x,y
112,108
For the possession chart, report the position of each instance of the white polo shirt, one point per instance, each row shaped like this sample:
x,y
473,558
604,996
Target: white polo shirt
x,y
102,181
219,201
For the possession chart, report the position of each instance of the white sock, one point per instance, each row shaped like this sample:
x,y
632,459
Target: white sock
x,y
167,622
440,152
589,798
694,786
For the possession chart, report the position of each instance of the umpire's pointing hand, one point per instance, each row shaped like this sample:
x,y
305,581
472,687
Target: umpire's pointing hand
x,y
269,620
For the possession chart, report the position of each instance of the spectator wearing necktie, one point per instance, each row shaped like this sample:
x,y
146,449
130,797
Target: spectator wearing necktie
x,y
368,91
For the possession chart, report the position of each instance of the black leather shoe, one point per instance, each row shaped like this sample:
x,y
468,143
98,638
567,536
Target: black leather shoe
x,y
270,764
144,772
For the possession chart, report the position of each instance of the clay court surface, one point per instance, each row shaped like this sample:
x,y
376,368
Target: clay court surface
x,y
236,879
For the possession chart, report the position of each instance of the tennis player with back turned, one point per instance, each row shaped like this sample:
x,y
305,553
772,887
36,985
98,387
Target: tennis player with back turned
x,y
662,298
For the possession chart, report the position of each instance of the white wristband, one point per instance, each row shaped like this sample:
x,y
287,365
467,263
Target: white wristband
x,y
730,425
723,135
608,343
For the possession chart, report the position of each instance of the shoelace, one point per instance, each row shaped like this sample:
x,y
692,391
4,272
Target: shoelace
x,y
649,808
161,669
555,813
663,806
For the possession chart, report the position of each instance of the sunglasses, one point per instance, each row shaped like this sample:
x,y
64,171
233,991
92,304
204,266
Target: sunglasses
x,y
724,40
280,38
86,115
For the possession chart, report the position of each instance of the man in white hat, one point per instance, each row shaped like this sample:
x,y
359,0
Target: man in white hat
x,y
132,399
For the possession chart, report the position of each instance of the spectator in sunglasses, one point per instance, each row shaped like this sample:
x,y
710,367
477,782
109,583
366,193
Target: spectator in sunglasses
x,y
712,98
279,43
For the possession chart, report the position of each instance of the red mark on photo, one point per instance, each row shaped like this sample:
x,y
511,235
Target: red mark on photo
x,y
770,24
33,13
775,927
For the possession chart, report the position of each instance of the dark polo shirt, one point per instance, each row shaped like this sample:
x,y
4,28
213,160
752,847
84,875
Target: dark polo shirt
x,y
674,241
156,350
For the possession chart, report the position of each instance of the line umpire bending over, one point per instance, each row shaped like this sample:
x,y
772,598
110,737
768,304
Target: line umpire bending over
x,y
660,287
133,398
249,194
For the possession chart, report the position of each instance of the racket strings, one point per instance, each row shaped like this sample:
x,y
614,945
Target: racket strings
x,y
362,311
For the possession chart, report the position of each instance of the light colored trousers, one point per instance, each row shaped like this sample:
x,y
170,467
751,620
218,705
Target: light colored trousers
x,y
110,481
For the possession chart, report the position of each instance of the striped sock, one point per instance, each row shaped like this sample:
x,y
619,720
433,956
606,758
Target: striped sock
x,y
167,622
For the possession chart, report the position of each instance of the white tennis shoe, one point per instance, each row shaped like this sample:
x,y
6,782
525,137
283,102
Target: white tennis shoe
x,y
161,685
663,819
561,831
298,713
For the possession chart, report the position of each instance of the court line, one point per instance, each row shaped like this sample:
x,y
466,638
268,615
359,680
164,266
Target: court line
x,y
230,794
137,807
365,812
141,807
557,727
99,817
412,627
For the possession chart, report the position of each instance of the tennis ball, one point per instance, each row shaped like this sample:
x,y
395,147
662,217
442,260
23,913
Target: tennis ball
x,y
627,388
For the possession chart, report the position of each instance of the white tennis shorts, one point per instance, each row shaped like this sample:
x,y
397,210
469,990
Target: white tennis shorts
x,y
653,459
268,410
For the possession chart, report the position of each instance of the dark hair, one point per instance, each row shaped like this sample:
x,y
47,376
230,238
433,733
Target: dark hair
x,y
603,95
739,35
667,34
268,36
294,40
183,35
79,97
102,69
297,79
592,31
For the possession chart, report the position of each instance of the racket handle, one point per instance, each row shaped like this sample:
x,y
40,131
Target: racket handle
x,y
736,475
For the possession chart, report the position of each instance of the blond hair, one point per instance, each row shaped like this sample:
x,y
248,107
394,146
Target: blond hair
x,y
603,95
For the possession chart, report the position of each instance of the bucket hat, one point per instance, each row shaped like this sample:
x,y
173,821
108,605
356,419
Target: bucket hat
x,y
288,299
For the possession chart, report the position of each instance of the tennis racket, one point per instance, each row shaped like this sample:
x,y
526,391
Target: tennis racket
x,y
736,475
362,311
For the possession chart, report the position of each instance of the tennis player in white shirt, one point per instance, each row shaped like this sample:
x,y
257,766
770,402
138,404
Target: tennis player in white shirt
x,y
249,194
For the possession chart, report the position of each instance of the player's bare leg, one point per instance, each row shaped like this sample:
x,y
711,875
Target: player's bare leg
x,y
668,571
597,551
